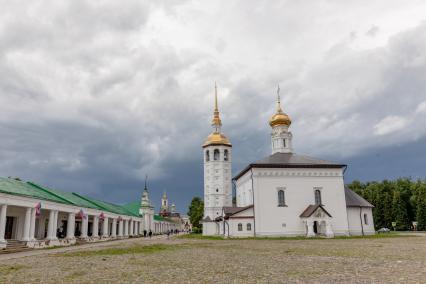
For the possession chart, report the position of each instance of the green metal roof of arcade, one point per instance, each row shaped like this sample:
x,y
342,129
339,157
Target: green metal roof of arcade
x,y
36,191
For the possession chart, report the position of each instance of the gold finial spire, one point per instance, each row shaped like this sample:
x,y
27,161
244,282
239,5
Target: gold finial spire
x,y
279,118
215,98
216,138
216,122
279,110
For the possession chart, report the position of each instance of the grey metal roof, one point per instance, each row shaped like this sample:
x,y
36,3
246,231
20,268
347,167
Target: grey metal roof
x,y
311,209
234,210
354,200
290,160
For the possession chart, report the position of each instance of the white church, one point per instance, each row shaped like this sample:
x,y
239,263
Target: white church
x,y
284,194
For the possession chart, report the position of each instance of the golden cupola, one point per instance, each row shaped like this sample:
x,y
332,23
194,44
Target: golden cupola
x,y
216,138
279,118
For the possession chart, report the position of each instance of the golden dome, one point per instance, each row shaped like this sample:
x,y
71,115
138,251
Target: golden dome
x,y
216,139
279,118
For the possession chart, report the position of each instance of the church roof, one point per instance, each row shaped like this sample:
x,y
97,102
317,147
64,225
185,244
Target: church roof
x,y
354,200
311,209
229,211
289,160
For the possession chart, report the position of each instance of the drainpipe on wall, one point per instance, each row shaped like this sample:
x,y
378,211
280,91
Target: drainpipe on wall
x,y
360,218
254,214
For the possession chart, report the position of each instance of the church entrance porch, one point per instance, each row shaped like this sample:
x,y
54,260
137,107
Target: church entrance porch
x,y
317,221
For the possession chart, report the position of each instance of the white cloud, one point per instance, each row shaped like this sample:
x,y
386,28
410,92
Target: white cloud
x,y
390,124
421,108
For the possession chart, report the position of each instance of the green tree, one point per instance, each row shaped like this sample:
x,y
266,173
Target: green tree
x,y
421,206
399,208
357,186
195,213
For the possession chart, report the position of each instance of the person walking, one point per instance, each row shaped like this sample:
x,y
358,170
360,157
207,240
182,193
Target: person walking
x,y
168,234
144,233
150,233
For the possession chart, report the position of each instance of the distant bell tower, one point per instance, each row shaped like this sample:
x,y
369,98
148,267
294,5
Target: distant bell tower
x,y
217,173
164,205
146,209
281,137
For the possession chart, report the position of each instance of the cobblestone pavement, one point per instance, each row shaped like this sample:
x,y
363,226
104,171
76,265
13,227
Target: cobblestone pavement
x,y
381,260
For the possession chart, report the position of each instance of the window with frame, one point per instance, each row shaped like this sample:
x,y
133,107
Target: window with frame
x,y
318,196
225,155
216,155
284,143
207,156
240,227
365,219
248,226
281,198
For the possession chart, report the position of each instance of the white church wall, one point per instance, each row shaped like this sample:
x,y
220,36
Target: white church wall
x,y
244,230
244,194
356,219
299,186
209,229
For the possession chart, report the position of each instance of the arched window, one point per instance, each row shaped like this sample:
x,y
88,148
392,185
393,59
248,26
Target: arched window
x,y
281,198
318,196
248,226
365,219
216,155
284,143
225,155
240,227
207,156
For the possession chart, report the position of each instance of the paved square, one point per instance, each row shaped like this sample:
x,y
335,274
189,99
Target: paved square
x,y
185,260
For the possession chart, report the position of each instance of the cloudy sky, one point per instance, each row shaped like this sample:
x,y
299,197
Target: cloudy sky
x,y
96,94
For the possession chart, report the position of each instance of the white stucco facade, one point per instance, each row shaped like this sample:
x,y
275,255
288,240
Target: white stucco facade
x,y
360,221
30,217
262,185
217,179
286,194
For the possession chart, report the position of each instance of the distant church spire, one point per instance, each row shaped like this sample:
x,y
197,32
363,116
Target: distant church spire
x,y
216,122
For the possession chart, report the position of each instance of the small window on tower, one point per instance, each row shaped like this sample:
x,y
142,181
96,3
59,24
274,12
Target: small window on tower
x,y
217,190
216,155
225,155
284,143
207,156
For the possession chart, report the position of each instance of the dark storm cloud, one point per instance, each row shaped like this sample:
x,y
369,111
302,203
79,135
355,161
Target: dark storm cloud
x,y
94,95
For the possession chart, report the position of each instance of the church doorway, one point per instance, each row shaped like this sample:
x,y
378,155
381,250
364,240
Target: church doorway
x,y
316,227
8,234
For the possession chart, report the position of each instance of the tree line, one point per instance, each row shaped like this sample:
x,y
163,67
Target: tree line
x,y
402,201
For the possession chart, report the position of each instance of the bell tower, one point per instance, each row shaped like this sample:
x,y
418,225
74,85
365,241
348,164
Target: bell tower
x,y
281,137
146,209
217,173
